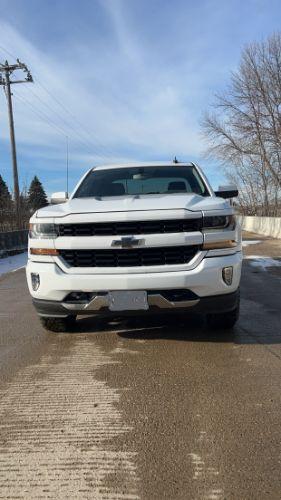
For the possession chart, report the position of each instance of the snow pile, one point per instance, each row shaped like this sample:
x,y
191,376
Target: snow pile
x,y
262,261
13,262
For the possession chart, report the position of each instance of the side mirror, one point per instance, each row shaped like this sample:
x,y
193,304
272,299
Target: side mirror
x,y
230,191
60,197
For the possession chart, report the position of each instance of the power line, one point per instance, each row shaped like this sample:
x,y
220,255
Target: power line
x,y
8,53
40,114
54,112
89,134
53,125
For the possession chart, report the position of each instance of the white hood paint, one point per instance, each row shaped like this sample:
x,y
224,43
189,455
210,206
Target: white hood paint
x,y
192,202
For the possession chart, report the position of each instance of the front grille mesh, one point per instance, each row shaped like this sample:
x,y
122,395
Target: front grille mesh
x,y
129,257
130,227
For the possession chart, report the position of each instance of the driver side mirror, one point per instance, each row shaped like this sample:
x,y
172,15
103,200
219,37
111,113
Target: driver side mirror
x,y
60,197
229,191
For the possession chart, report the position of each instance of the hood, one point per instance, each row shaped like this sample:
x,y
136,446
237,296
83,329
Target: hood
x,y
192,202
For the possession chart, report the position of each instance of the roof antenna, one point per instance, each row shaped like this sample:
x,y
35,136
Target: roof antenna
x,y
175,160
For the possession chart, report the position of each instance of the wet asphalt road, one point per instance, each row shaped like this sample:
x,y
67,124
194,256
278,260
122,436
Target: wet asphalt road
x,y
159,408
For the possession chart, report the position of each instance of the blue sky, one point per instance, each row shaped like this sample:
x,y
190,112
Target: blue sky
x,y
124,80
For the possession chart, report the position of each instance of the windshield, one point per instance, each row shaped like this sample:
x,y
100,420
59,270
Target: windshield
x,y
141,181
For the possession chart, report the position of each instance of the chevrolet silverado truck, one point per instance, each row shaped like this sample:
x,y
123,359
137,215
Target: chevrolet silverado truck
x,y
137,238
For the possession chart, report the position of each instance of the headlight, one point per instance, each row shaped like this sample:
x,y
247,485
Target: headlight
x,y
43,231
219,222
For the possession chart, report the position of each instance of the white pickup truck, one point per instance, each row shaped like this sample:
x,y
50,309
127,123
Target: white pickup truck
x,y
138,238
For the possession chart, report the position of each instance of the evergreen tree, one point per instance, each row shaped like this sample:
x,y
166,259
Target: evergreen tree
x,y
26,211
6,206
37,197
5,196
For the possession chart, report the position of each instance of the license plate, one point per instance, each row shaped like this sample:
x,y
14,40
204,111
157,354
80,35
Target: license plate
x,y
127,300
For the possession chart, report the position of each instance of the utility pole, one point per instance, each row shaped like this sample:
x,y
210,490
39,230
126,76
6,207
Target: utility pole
x,y
6,70
67,165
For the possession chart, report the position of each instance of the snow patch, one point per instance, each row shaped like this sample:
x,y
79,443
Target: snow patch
x,y
262,261
250,242
13,263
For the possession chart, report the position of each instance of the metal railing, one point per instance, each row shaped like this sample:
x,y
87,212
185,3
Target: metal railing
x,y
9,222
13,241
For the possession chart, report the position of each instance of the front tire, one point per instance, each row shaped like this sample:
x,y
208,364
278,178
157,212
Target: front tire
x,y
222,321
58,325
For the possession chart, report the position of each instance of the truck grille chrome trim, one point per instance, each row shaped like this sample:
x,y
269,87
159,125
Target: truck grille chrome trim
x,y
131,227
137,257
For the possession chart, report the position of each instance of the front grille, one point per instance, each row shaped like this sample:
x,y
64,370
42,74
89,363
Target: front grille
x,y
130,257
131,227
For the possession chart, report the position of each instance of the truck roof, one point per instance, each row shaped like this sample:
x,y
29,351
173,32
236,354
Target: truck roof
x,y
144,164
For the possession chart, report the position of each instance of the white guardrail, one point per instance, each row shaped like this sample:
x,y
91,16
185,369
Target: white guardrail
x,y
268,226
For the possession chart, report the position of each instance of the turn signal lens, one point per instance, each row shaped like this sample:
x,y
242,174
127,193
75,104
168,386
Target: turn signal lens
x,y
44,251
219,244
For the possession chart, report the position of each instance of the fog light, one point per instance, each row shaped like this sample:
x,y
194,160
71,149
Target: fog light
x,y
227,274
78,297
35,281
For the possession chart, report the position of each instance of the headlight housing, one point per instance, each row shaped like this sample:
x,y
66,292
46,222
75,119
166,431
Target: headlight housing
x,y
219,222
43,231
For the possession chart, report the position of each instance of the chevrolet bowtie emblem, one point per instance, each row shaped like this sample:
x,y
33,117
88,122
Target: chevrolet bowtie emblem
x,y
127,242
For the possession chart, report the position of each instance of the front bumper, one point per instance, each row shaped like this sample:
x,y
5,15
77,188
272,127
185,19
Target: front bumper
x,y
205,282
157,303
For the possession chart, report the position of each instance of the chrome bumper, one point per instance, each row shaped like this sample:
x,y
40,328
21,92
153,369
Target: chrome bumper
x,y
101,302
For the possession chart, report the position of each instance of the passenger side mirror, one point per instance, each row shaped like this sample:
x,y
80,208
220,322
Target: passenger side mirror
x,y
229,191
60,197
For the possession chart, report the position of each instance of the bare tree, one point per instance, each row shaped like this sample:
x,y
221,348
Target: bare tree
x,y
244,129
